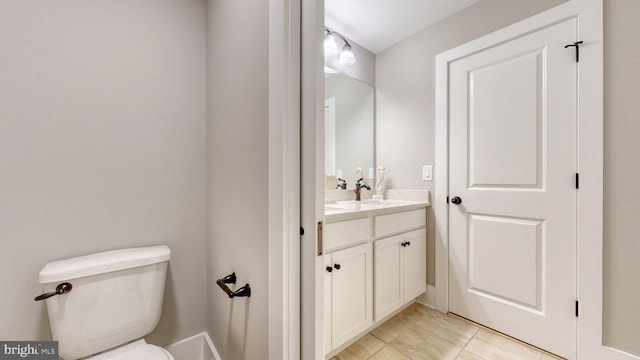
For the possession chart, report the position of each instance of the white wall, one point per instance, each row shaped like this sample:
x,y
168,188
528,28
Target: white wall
x,y
238,69
621,192
102,146
405,93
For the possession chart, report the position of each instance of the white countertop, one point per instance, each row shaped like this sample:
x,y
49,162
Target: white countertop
x,y
367,207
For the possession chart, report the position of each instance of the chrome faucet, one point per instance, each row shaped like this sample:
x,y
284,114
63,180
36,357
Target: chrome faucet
x,y
359,186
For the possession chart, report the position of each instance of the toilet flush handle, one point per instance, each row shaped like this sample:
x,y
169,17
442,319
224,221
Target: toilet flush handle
x,y
61,289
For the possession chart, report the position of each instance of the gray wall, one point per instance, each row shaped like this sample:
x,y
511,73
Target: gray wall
x,y
102,146
622,191
238,169
405,93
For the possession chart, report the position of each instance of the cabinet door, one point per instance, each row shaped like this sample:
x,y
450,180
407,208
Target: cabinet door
x,y
415,255
352,293
328,266
388,279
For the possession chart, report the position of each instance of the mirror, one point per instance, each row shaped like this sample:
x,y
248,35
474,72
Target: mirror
x,y
349,126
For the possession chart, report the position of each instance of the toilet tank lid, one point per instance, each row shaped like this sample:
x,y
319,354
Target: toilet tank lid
x,y
103,262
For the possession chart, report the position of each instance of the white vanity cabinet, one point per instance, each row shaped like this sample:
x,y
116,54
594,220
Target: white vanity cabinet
x,y
400,270
374,263
348,282
399,260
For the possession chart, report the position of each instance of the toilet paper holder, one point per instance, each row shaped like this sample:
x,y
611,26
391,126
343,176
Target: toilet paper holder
x,y
244,291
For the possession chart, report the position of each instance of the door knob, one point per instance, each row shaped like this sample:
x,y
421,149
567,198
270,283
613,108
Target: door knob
x,y
456,200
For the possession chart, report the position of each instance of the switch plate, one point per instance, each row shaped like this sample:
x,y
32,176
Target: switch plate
x,y
427,173
370,173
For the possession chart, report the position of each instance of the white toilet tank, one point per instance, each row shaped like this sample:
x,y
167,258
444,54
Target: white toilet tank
x,y
116,297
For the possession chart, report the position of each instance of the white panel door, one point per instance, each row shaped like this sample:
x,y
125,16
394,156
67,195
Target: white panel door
x,y
512,256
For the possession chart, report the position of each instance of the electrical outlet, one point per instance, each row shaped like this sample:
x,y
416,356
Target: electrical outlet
x,y
427,173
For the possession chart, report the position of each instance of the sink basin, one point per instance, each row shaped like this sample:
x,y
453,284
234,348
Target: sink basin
x,y
353,205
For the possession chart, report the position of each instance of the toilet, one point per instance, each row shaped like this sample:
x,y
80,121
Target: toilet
x,y
115,299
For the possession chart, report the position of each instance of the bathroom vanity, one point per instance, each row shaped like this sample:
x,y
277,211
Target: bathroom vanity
x,y
375,264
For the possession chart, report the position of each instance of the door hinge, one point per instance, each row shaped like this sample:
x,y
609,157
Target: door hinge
x,y
577,181
577,308
319,238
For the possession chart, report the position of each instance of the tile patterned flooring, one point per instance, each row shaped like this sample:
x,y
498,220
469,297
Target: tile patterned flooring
x,y
420,333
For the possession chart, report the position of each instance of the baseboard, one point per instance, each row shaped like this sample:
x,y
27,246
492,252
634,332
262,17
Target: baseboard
x,y
196,347
428,299
610,353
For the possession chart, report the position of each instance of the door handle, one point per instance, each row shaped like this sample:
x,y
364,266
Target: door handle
x,y
456,200
337,266
329,269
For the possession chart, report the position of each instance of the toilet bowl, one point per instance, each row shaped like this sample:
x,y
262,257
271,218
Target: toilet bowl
x,y
109,301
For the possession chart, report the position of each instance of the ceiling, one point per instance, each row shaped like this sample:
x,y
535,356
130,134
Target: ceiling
x,y
378,24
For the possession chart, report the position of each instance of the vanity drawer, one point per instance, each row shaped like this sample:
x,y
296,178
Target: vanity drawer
x,y
399,222
344,233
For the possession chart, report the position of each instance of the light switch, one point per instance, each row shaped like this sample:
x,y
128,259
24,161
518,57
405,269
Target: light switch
x,y
427,173
370,173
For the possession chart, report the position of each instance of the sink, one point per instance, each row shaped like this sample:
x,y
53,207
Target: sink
x,y
353,205
369,205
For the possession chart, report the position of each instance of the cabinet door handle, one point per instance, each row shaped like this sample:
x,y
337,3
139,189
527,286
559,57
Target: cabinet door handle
x,y
404,244
329,269
408,243
337,266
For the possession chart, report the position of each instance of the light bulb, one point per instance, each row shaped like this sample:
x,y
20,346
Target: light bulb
x,y
346,56
330,47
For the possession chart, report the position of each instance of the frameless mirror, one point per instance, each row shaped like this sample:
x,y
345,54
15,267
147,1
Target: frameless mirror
x,y
349,119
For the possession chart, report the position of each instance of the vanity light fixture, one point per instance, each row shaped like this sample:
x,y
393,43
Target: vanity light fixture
x,y
346,58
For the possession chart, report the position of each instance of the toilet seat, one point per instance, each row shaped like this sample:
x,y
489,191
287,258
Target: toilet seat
x,y
137,350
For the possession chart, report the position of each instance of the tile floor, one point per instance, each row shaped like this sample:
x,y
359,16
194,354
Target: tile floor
x,y
420,333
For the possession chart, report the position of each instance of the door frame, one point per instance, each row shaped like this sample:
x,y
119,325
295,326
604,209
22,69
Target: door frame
x,y
284,315
589,14
312,179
